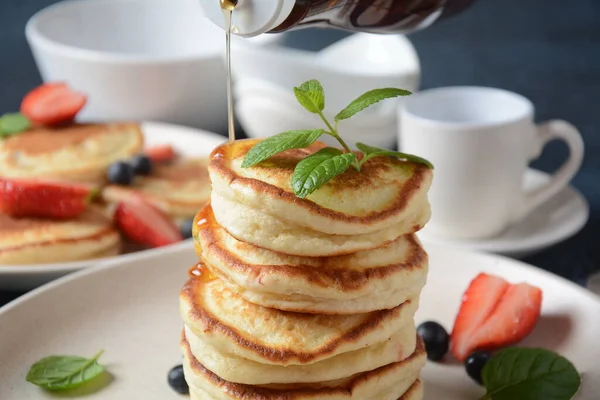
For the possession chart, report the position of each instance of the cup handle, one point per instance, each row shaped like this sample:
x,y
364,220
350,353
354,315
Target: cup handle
x,y
547,131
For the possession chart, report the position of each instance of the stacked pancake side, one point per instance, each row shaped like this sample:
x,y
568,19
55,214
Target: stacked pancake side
x,y
306,298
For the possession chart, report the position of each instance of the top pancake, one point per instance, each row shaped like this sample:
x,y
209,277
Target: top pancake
x,y
386,199
179,189
79,152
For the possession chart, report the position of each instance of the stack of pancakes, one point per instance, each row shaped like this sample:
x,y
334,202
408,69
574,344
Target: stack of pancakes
x,y
306,298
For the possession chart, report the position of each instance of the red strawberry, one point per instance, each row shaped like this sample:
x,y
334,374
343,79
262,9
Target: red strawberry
x,y
145,224
52,104
45,199
161,154
494,314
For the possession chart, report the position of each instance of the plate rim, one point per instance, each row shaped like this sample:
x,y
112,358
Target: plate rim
x,y
12,270
167,251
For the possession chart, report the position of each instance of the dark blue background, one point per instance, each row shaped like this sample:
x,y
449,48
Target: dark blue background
x,y
547,50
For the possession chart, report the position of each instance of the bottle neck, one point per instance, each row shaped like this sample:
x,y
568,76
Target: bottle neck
x,y
250,17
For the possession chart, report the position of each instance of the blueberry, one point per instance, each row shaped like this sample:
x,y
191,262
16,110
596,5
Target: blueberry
x,y
142,164
177,380
120,173
186,228
474,364
436,339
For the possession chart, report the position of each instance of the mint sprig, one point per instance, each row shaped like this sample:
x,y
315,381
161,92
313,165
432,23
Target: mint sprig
x,y
529,374
371,97
319,168
311,95
64,372
372,151
12,124
278,143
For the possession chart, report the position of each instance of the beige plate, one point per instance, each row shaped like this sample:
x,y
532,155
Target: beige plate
x,y
187,141
129,308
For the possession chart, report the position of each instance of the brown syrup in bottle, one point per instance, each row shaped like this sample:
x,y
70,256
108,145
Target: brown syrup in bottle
x,y
374,16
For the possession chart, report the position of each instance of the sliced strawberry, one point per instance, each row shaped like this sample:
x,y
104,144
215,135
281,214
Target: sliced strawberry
x,y
494,314
478,303
52,104
513,319
161,154
145,224
45,199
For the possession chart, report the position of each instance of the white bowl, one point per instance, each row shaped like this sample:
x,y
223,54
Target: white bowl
x,y
136,59
264,78
266,110
347,68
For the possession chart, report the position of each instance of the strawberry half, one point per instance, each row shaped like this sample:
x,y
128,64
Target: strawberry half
x,y
494,314
45,199
52,104
145,224
161,154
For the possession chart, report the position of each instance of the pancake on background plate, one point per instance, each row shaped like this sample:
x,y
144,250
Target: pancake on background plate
x,y
179,189
36,241
78,152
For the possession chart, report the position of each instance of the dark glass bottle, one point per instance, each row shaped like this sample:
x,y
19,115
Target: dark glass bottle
x,y
253,17
374,16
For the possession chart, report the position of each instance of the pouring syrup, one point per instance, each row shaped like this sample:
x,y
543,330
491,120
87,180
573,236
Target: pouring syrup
x,y
227,6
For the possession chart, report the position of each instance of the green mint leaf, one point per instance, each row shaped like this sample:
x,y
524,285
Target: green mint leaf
x,y
278,143
371,151
319,168
311,96
530,374
371,97
13,123
64,372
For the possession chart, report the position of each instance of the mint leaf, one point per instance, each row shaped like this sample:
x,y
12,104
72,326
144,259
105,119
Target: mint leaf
x,y
12,124
371,151
319,168
64,372
278,143
369,98
530,374
311,96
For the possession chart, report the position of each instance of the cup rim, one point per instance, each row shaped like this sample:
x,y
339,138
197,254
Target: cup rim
x,y
528,108
38,39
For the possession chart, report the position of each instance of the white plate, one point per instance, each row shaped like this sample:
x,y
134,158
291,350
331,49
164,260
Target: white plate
x,y
556,220
130,309
187,141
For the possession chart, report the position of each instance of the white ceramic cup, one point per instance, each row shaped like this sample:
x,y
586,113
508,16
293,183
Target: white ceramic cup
x,y
481,141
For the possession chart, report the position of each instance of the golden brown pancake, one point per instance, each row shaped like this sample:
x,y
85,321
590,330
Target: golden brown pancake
x,y
355,211
226,321
79,152
37,241
395,381
356,283
179,189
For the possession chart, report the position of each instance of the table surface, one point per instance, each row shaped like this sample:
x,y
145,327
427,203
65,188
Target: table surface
x,y
539,48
